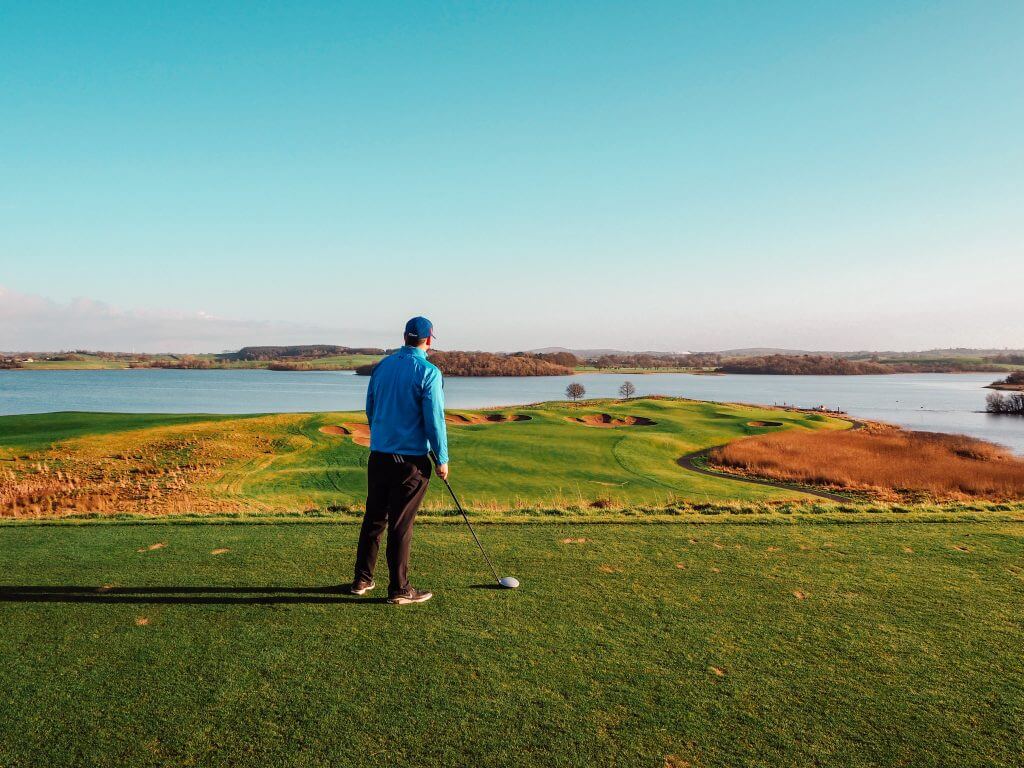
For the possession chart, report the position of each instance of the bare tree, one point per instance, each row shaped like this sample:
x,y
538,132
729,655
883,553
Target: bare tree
x,y
575,391
627,390
999,403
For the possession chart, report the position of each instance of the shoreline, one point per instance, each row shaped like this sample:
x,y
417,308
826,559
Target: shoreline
x,y
587,372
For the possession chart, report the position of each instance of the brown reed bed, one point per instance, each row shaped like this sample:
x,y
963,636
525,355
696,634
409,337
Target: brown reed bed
x,y
884,462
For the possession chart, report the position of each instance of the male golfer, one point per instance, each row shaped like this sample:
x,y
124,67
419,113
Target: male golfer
x,y
405,408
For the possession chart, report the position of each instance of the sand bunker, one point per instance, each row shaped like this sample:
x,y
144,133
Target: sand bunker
x,y
360,433
607,420
462,419
764,423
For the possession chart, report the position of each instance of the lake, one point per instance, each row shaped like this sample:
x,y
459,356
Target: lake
x,y
928,401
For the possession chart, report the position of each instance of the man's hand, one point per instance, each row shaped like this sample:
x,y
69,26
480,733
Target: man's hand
x,y
442,471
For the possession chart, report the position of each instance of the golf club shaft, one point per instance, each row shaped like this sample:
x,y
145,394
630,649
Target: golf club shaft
x,y
469,524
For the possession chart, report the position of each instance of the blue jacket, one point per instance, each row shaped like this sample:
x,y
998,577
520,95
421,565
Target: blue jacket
x,y
405,406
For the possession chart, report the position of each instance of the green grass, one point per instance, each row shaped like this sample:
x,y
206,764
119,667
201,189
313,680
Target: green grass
x,y
905,650
288,464
88,362
40,430
347,361
93,362
546,461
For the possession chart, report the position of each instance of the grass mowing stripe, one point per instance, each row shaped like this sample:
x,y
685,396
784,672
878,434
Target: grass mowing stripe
x,y
637,643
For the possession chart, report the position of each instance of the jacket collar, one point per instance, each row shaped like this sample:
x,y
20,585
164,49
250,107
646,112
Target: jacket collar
x,y
415,351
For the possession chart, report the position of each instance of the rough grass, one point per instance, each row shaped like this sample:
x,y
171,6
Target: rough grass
x,y
59,464
886,462
640,645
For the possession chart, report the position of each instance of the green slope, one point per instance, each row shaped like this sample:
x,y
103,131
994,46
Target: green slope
x,y
39,430
284,462
546,461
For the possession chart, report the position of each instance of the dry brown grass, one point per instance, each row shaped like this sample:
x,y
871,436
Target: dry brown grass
x,y
158,471
888,463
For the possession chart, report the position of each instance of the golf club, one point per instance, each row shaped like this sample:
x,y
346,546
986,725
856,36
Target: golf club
x,y
508,582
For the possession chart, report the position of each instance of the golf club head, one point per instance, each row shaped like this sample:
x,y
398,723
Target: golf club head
x,y
509,582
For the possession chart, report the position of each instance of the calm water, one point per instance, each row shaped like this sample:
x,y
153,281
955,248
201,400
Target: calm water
x,y
934,402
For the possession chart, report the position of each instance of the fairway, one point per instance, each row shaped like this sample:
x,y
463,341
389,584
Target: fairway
x,y
628,645
598,454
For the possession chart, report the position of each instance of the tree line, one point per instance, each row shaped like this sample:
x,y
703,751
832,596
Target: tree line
x,y
487,364
824,365
641,360
1015,378
298,351
185,362
803,365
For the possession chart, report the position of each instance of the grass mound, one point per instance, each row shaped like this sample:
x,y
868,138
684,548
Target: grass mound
x,y
68,464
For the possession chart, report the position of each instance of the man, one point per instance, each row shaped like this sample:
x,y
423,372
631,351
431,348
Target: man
x,y
405,408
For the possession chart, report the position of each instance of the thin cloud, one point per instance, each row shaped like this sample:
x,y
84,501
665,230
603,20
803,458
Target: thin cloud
x,y
30,322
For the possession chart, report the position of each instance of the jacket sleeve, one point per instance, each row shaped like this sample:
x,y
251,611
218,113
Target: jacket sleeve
x,y
369,401
433,415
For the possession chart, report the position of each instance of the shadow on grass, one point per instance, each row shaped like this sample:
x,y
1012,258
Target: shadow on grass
x,y
183,595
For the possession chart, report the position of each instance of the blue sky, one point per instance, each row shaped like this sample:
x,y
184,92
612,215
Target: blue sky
x,y
675,175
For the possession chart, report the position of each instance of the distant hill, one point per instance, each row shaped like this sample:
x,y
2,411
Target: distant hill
x,y
765,351
824,365
588,354
297,352
488,364
928,354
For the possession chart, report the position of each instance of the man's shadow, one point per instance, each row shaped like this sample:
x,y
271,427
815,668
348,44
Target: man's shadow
x,y
218,595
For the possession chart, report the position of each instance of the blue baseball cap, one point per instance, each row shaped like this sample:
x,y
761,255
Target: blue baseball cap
x,y
419,328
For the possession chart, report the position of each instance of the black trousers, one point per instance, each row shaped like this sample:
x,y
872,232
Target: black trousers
x,y
396,485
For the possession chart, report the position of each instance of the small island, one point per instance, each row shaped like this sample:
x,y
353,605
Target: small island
x,y
1014,382
1011,404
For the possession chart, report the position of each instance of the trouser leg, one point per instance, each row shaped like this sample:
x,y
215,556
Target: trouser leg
x,y
405,499
375,520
